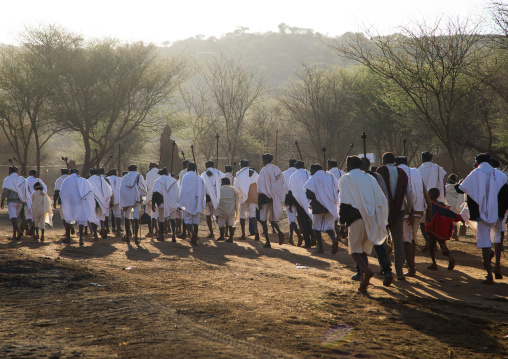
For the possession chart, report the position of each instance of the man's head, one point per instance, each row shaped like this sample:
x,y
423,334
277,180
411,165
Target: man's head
x,y
353,162
434,194
244,163
494,163
452,179
426,157
64,171
185,163
228,169
33,173
331,164
132,168
94,171
209,164
38,186
482,157
388,158
153,165
300,164
292,162
101,170
365,163
191,167
111,172
225,181
124,173
400,160
74,170
315,167
13,169
163,172
267,158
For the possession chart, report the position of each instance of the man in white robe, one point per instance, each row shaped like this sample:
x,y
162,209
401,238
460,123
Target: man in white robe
x,y
165,194
421,206
364,210
30,181
181,229
487,200
291,209
455,201
56,194
14,189
102,193
298,203
228,173
192,200
272,190
78,204
211,177
151,177
133,190
116,218
245,178
337,173
322,190
433,176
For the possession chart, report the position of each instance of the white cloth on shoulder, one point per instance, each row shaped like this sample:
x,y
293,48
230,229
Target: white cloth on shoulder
x,y
433,177
325,187
361,191
16,183
168,187
288,173
132,189
212,184
59,181
243,182
416,182
271,183
78,201
151,177
296,183
102,192
337,173
31,180
114,182
192,197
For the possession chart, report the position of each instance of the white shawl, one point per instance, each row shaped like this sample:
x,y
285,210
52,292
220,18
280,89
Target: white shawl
x,y
168,187
132,189
243,182
287,174
337,173
271,183
433,177
296,183
416,182
16,183
453,199
483,185
192,197
102,193
41,207
151,177
78,201
325,187
212,184
362,191
114,182
30,181
59,181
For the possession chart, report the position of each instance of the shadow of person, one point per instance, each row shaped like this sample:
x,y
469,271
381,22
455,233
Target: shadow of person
x,y
140,253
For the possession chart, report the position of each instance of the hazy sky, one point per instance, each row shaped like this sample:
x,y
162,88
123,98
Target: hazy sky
x,y
171,20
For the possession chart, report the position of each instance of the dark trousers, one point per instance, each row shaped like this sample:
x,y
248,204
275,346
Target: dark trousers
x,y
305,224
396,229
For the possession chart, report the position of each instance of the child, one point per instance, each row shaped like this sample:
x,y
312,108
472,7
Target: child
x,y
41,209
227,208
440,228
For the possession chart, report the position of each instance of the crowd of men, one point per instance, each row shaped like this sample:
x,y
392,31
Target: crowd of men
x,y
373,207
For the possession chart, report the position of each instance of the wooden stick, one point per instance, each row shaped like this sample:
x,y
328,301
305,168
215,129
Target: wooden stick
x,y
298,148
347,154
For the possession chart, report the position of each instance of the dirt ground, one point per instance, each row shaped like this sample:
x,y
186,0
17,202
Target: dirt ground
x,y
237,300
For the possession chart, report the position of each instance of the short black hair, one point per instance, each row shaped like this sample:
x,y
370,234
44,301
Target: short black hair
x,y
388,157
354,162
434,193
225,181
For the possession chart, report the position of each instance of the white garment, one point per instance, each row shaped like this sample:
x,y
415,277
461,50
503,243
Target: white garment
x,y
59,181
78,201
30,181
180,177
361,191
483,185
192,197
212,184
295,185
453,199
337,173
271,183
433,177
243,182
416,182
288,173
132,189
168,187
151,177
325,187
102,193
114,182
231,178
16,183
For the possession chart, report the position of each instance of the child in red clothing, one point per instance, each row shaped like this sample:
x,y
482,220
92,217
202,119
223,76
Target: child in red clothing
x,y
440,229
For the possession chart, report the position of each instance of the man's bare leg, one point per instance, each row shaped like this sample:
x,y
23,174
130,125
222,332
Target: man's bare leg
x,y
498,248
173,230
242,226
210,227
487,263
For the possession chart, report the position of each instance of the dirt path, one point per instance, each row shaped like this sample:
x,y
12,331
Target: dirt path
x,y
163,299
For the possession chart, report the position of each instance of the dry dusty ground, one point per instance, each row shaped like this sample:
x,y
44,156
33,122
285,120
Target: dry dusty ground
x,y
235,300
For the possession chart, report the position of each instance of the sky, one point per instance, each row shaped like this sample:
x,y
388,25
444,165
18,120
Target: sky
x,y
172,20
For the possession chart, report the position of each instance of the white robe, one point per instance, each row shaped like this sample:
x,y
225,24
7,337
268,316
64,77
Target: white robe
x,y
30,181
132,189
59,181
483,185
433,177
16,183
78,201
296,183
243,182
416,182
231,178
337,173
271,183
325,187
114,182
41,207
180,177
288,173
192,197
151,177
212,184
168,187
102,193
361,191
453,199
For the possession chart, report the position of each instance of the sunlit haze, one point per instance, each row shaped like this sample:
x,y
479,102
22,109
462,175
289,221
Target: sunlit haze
x,y
161,21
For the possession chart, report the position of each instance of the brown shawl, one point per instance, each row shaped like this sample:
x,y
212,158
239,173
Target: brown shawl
x,y
395,202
